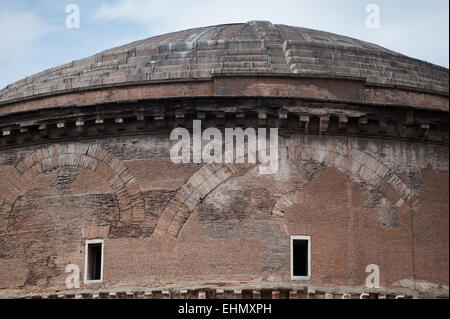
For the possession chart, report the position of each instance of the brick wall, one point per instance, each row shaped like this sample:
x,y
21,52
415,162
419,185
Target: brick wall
x,y
352,196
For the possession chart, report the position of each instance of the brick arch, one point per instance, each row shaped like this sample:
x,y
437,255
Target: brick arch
x,y
196,188
91,157
359,165
293,198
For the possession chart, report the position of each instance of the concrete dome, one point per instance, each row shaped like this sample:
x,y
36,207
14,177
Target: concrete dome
x,y
253,48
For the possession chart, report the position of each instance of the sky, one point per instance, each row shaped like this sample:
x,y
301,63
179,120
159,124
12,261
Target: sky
x,y
34,35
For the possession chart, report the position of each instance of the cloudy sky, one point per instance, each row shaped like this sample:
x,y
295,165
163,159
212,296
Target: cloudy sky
x,y
34,36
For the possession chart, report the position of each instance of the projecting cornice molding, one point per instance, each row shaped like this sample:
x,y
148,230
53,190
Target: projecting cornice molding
x,y
289,115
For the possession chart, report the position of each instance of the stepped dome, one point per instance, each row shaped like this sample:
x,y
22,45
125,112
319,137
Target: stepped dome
x,y
253,48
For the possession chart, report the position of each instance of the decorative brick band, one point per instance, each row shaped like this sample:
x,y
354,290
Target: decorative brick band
x,y
91,157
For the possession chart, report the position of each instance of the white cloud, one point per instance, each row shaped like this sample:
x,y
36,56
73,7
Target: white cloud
x,y
144,12
137,10
19,34
170,15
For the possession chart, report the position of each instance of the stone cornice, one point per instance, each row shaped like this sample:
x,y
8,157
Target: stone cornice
x,y
159,116
249,291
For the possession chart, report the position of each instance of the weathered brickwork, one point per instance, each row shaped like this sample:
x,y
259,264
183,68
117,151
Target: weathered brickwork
x,y
238,229
363,170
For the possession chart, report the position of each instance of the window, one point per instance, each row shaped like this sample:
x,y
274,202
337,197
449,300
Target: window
x,y
93,269
300,257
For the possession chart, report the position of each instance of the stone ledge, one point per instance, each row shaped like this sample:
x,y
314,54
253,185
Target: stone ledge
x,y
251,291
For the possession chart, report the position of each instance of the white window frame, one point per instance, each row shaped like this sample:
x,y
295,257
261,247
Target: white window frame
x,y
308,238
86,253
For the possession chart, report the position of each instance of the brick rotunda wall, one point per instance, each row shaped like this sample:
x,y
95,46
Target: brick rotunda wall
x,y
362,201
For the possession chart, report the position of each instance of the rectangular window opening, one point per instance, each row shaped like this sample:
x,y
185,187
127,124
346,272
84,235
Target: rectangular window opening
x,y
94,261
301,257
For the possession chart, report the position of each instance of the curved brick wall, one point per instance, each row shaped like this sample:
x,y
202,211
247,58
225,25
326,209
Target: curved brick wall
x,y
238,228
363,169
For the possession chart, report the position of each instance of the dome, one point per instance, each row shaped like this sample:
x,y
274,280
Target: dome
x,y
243,49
